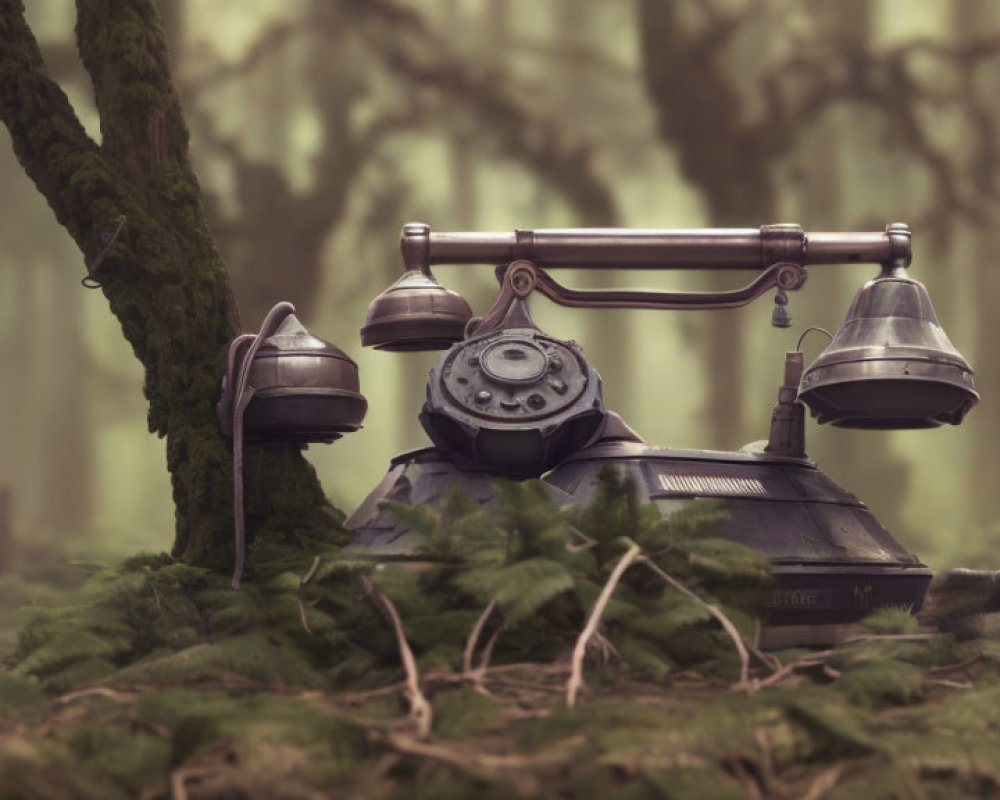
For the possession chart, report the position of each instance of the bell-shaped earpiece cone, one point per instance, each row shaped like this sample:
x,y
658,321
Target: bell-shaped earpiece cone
x,y
415,313
305,389
890,365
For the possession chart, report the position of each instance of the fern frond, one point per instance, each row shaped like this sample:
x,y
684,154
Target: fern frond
x,y
521,588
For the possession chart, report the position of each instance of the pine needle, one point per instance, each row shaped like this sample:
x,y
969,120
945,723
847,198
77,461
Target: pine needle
x,y
421,711
579,651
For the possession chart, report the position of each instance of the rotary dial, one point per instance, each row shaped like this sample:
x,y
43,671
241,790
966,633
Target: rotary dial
x,y
517,374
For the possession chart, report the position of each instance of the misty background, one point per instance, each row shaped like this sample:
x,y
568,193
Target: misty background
x,y
319,127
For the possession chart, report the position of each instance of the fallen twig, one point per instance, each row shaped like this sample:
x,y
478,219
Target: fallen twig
x,y
727,624
177,779
811,660
579,651
302,582
827,780
556,668
772,662
484,659
477,629
421,711
150,727
607,650
580,540
90,691
481,765
954,684
311,572
479,673
948,669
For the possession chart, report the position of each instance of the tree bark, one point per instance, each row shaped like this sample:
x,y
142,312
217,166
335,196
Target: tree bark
x,y
162,276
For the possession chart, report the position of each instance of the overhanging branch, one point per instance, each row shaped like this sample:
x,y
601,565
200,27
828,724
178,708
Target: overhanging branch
x,y
403,41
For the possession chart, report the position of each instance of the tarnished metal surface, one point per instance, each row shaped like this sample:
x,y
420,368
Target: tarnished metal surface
x,y
510,400
781,275
283,385
424,477
304,389
516,401
602,248
787,436
415,313
421,477
789,511
890,364
832,560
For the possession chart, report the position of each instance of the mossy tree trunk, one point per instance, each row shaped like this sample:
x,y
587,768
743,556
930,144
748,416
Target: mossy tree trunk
x,y
162,277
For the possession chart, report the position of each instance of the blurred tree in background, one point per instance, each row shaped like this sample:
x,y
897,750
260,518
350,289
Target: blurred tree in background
x,y
318,128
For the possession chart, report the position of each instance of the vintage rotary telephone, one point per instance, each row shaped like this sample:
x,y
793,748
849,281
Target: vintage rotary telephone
x,y
507,399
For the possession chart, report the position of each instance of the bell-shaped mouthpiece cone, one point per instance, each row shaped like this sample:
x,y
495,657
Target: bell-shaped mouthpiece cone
x,y
415,313
890,365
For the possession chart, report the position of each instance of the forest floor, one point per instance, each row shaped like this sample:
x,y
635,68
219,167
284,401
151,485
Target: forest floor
x,y
808,730
886,715
499,676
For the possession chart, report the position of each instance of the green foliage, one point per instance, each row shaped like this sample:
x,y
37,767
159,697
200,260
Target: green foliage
x,y
286,688
959,595
891,621
17,694
543,567
876,683
521,588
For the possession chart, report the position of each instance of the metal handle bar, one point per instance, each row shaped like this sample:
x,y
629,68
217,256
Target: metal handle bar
x,y
611,248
